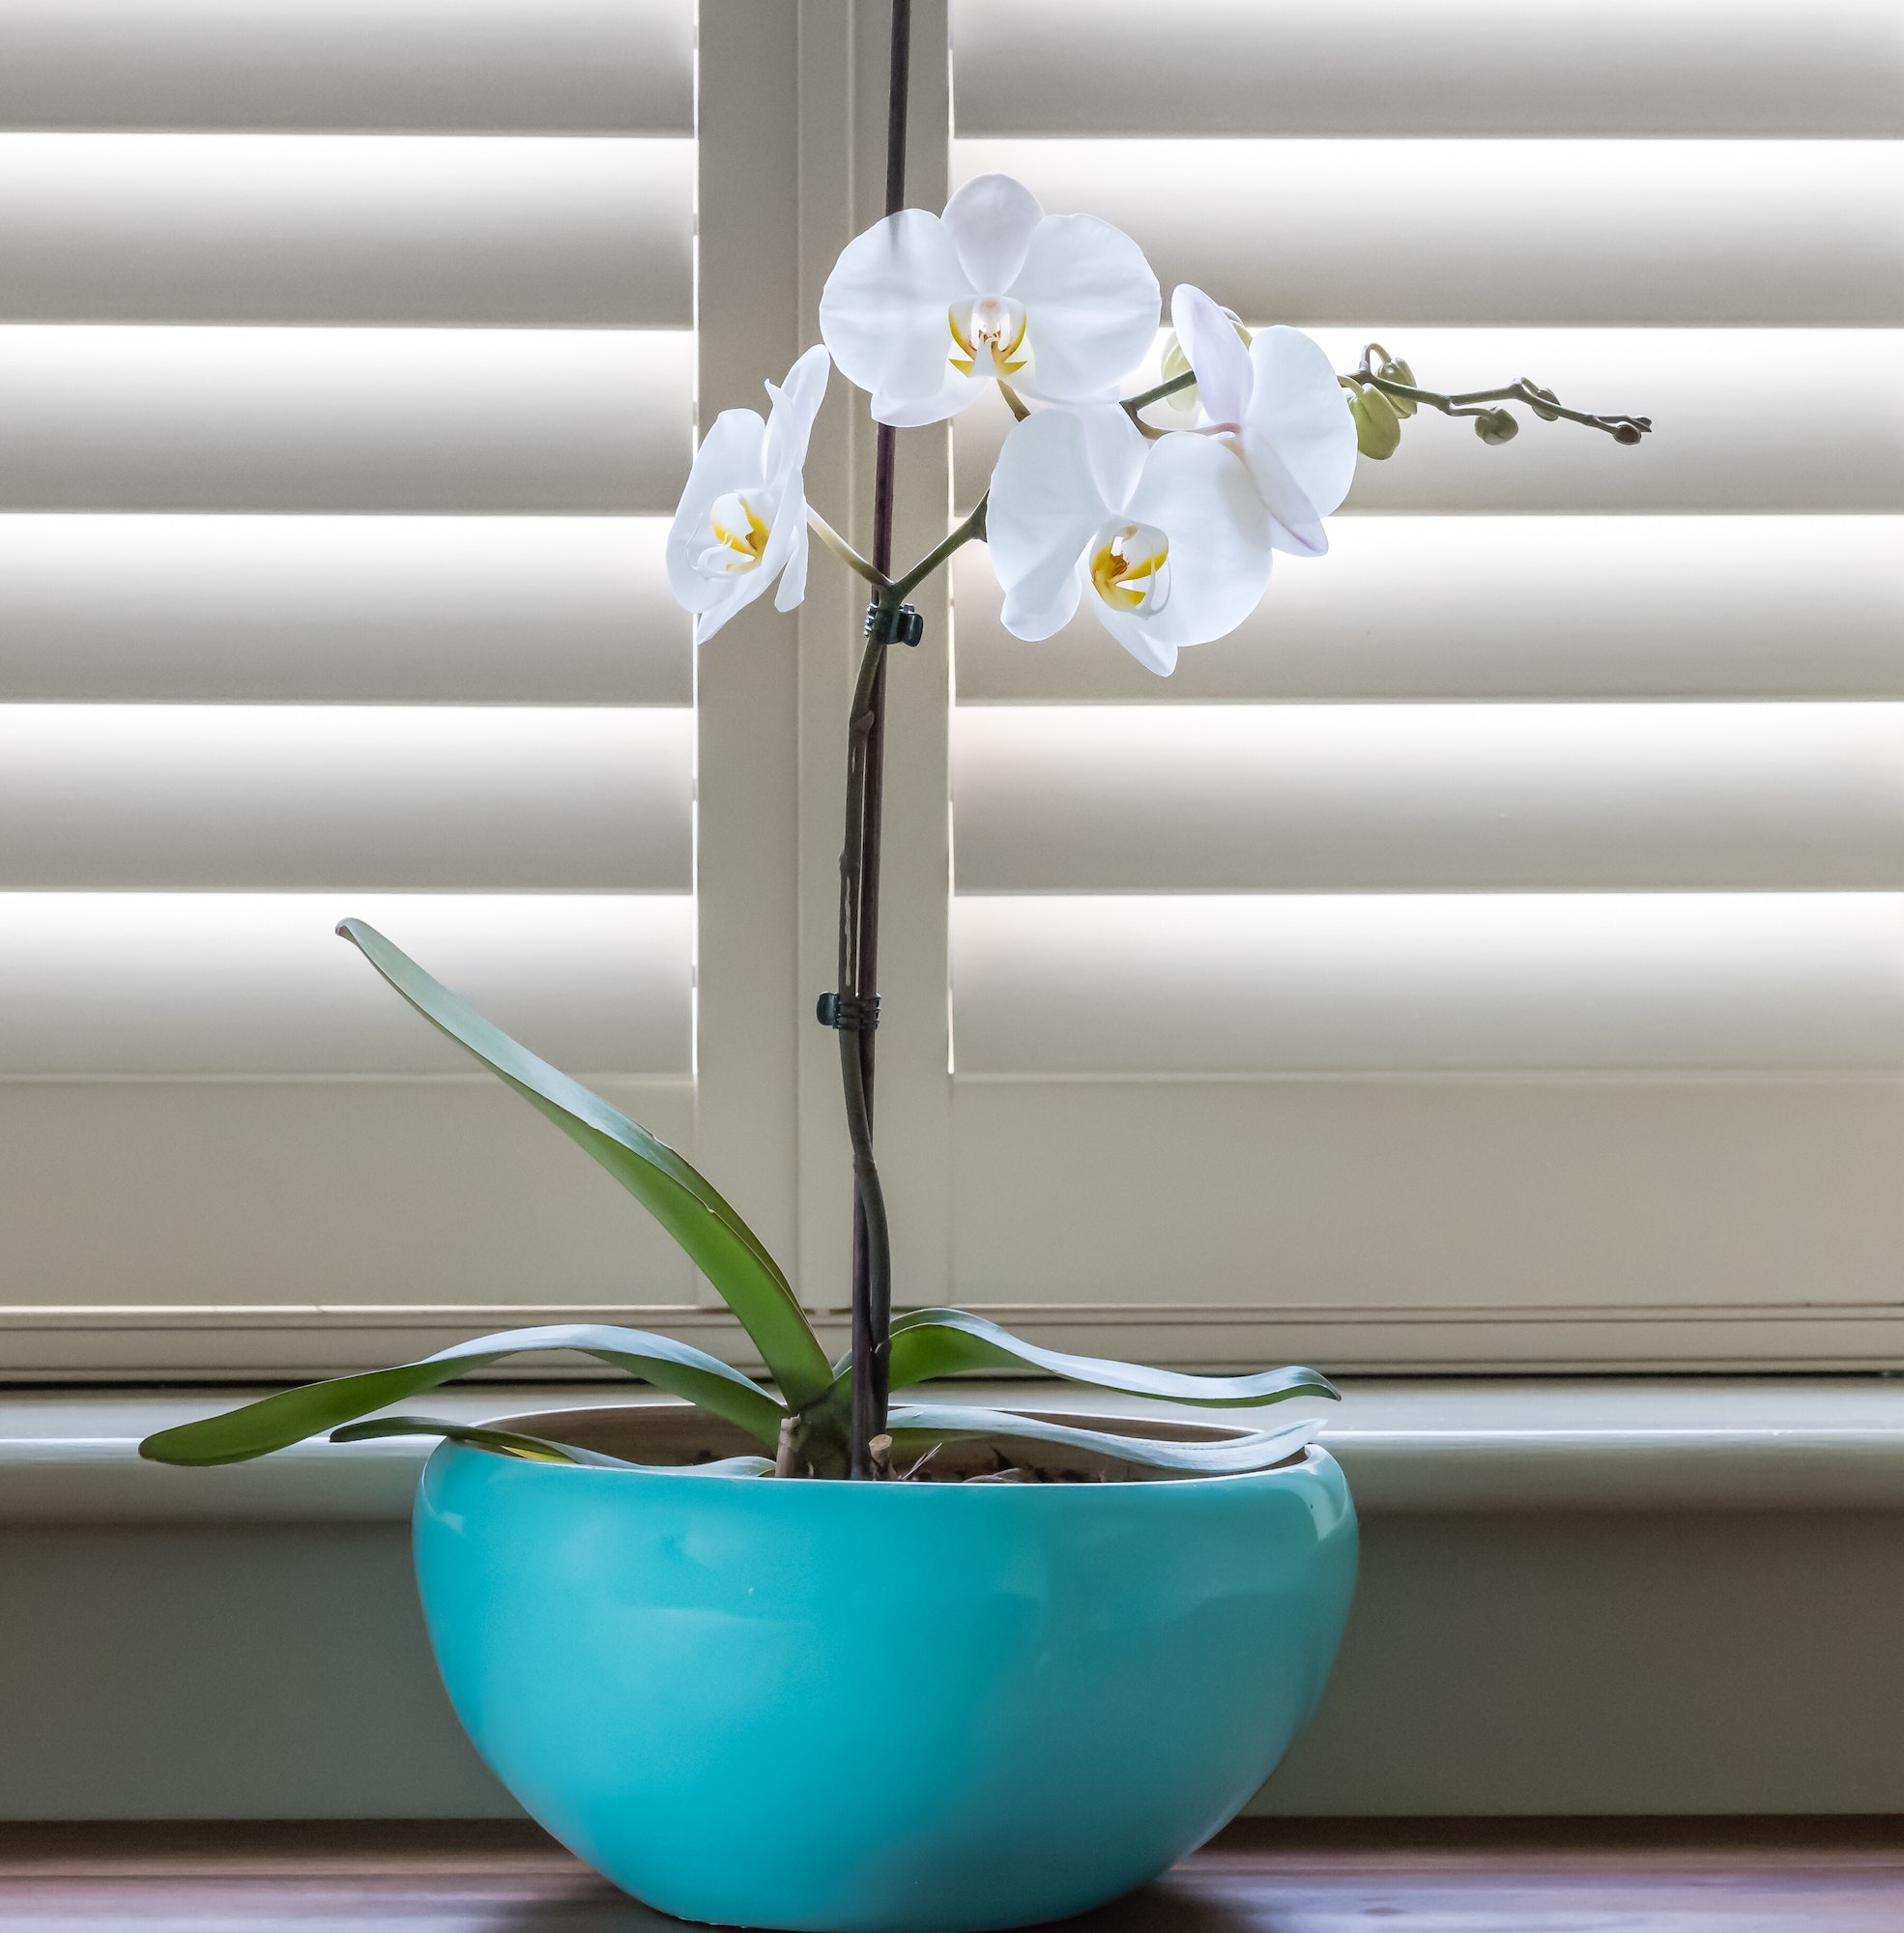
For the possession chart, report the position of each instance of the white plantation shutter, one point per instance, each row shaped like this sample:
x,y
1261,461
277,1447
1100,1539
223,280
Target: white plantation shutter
x,y
346,385
1493,953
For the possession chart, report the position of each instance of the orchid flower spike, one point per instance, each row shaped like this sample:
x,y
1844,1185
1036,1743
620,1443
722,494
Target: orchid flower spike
x,y
1279,403
1170,538
742,520
925,311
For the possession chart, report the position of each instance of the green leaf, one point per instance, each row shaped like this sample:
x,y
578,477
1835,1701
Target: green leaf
x,y
504,1442
717,1241
292,1414
916,1428
928,1342
539,1449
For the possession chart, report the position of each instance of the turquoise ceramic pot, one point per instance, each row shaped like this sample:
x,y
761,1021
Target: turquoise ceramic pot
x,y
897,1708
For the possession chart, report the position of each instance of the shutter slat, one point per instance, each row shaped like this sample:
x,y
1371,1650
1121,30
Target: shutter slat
x,y
1366,984
1417,797
1473,1201
351,419
303,609
453,230
255,984
624,67
1536,233
1508,607
1745,419
1460,66
202,1194
222,797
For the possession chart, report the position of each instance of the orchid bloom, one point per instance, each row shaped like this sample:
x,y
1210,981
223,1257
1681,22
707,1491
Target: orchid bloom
x,y
1170,538
742,520
1279,402
924,311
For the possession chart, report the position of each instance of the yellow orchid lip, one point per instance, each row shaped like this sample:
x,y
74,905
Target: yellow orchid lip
x,y
1128,569
741,533
988,335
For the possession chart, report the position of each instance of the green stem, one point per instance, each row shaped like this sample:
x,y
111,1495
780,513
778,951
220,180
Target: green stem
x,y
844,551
1143,400
1471,402
972,527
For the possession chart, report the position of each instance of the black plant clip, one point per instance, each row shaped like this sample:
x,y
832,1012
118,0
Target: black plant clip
x,y
894,623
851,1013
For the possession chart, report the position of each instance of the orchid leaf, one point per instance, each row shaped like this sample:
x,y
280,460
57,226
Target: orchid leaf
x,y
929,1342
717,1241
292,1414
916,1428
503,1442
539,1449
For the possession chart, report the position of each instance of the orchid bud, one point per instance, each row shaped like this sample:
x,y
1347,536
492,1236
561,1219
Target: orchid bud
x,y
1547,396
1377,426
1399,372
1495,427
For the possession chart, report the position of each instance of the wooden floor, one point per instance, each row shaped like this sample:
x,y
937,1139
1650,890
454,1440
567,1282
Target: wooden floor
x,y
1733,1876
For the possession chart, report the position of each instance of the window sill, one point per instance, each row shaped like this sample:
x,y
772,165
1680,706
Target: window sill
x,y
1409,1446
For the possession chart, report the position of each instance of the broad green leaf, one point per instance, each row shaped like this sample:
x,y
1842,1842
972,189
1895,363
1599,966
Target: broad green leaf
x,y
916,1426
717,1241
539,1449
928,1342
292,1414
503,1442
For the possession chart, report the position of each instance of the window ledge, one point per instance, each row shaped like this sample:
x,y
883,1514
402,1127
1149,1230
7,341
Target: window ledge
x,y
1408,1446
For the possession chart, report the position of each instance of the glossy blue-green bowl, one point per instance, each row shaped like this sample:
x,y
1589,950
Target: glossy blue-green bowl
x,y
891,1708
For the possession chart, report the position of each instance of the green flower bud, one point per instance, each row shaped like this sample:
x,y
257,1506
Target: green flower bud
x,y
1495,427
1546,396
1399,372
1377,426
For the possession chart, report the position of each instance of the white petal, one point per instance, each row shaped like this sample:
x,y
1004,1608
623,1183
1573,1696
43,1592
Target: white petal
x,y
789,556
992,220
1114,447
956,394
1043,507
729,459
1217,353
1300,410
1295,525
884,312
795,404
1137,637
736,593
1093,307
1043,601
1201,495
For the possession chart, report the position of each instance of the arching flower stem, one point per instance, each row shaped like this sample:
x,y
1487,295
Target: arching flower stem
x,y
1471,402
972,527
1467,403
845,552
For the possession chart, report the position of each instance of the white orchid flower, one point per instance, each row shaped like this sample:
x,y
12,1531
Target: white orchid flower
x,y
924,311
1279,401
1171,538
742,520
